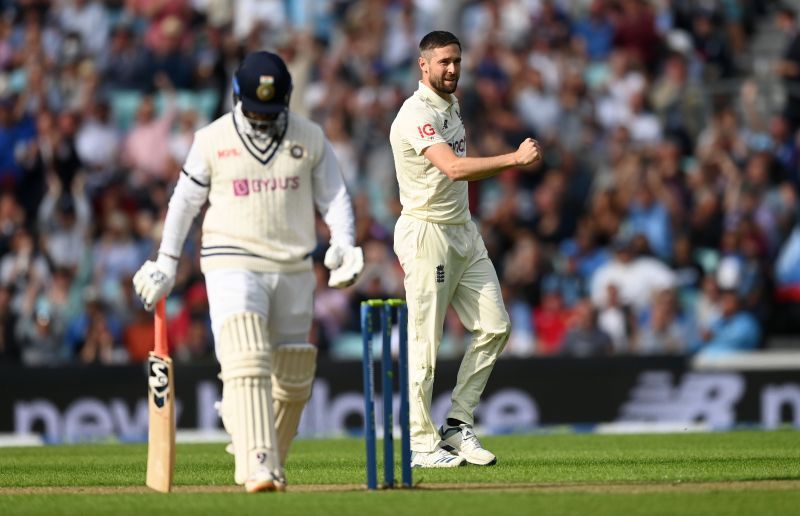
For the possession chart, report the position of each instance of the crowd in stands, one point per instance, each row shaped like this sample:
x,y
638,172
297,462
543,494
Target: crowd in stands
x,y
662,220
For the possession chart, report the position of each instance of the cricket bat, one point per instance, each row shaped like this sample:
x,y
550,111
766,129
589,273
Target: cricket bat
x,y
161,406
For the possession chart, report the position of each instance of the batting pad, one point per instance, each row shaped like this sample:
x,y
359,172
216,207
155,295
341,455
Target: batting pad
x,y
292,380
247,392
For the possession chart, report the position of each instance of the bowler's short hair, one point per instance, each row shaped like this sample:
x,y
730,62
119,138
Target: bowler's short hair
x,y
438,39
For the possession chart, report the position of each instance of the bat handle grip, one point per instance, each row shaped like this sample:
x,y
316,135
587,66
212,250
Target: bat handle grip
x,y
161,348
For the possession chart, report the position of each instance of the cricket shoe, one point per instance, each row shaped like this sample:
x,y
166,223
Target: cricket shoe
x,y
461,440
437,458
263,479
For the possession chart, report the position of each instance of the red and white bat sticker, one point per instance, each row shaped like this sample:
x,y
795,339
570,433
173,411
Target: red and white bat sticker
x,y
426,130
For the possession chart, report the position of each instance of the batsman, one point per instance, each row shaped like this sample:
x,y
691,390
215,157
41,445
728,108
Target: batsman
x,y
443,255
262,170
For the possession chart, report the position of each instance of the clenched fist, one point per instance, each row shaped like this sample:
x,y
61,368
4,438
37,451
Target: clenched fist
x,y
528,152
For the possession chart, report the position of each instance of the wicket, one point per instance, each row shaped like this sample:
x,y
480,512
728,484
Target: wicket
x,y
382,311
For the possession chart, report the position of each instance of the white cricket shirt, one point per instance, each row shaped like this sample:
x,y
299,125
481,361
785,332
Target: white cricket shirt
x,y
261,197
426,193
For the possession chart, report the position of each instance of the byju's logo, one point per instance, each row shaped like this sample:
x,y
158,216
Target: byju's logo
x,y
697,397
440,274
158,380
241,187
244,187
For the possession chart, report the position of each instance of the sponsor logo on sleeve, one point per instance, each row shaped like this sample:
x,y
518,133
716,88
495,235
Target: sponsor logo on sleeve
x,y
426,131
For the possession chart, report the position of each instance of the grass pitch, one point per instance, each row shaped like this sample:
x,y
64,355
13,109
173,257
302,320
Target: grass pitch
x,y
716,473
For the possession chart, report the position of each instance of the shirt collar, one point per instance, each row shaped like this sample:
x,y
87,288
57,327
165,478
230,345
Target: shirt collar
x,y
432,98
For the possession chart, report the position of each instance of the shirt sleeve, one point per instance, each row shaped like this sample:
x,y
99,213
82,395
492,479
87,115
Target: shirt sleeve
x,y
189,196
419,127
332,200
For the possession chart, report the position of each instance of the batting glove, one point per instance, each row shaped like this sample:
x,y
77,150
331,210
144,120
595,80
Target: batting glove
x,y
345,264
154,280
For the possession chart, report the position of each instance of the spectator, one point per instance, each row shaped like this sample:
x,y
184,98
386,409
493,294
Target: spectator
x,y
616,320
649,217
550,321
123,62
16,133
595,31
169,62
89,19
138,337
735,330
146,148
64,220
712,46
98,143
114,253
94,335
638,277
688,273
636,32
538,107
788,68
632,147
23,266
40,341
584,339
679,102
663,332
9,344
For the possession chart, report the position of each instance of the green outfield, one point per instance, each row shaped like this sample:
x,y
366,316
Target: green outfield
x,y
714,473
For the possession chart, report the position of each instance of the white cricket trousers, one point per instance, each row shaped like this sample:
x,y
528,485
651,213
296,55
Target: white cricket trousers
x,y
448,264
284,300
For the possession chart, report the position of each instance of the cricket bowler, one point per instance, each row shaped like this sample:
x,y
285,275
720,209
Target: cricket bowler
x,y
263,170
443,255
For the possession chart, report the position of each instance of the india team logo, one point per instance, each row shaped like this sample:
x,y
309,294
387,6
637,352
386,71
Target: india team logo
x,y
241,187
266,88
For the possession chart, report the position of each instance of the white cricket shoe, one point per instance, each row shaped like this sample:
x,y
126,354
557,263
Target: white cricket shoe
x,y
462,441
437,458
263,479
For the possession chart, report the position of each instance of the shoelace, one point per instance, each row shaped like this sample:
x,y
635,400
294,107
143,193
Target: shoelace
x,y
469,438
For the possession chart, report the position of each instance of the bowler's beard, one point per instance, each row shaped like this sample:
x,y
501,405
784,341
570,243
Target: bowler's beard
x,y
444,87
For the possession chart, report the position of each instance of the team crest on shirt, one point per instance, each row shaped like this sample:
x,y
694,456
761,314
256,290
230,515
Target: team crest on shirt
x,y
440,273
266,88
297,151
